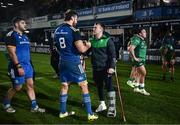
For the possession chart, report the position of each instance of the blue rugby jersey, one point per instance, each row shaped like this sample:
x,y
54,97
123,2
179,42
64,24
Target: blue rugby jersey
x,y
65,36
22,44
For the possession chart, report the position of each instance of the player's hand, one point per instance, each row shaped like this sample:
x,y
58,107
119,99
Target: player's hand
x,y
137,59
110,71
88,44
21,71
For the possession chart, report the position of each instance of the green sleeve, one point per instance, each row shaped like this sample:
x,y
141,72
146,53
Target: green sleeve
x,y
135,41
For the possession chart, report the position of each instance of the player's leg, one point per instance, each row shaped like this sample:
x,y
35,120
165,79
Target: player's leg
x,y
137,81
164,69
30,89
98,77
65,72
142,72
132,77
111,96
7,100
172,69
63,101
87,100
32,96
17,83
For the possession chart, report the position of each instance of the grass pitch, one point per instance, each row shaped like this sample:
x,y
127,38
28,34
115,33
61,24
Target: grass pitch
x,y
161,107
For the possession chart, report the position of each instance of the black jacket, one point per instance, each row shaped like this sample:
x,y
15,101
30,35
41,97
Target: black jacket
x,y
103,53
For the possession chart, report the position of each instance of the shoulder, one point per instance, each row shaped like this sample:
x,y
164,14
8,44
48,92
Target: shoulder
x,y
10,34
135,39
74,29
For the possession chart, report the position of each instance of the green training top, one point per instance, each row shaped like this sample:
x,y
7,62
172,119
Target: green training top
x,y
170,54
141,47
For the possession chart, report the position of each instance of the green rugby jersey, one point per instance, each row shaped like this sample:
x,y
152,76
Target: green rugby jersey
x,y
141,47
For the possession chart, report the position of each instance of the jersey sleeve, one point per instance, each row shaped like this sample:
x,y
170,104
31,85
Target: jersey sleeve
x,y
111,54
77,36
10,40
135,41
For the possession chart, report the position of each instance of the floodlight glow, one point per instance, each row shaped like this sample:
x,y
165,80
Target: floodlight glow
x,y
21,0
10,4
3,6
167,1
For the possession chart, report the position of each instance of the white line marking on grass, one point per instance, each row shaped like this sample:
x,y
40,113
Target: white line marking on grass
x,y
38,78
5,83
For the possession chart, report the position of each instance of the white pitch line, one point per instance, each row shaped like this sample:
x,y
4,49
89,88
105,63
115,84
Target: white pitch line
x,y
5,83
38,78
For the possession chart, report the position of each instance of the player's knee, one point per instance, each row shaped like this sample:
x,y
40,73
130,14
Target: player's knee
x,y
84,86
30,86
64,87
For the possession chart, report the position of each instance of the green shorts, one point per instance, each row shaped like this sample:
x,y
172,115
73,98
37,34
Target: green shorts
x,y
138,64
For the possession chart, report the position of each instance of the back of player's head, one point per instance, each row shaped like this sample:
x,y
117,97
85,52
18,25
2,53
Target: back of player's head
x,y
69,14
16,20
101,24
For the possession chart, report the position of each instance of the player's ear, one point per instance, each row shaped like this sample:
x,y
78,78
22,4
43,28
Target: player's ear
x,y
16,24
72,18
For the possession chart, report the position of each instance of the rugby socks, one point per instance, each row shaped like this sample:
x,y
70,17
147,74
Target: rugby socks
x,y
136,85
87,102
6,103
141,86
33,104
63,100
102,102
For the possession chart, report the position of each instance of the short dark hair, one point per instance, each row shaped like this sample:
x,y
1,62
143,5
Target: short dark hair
x,y
16,20
68,14
138,30
101,24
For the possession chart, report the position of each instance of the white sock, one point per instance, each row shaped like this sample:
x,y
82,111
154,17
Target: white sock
x,y
136,85
102,102
141,85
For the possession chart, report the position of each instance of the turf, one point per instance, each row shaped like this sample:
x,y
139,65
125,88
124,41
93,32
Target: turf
x,y
162,107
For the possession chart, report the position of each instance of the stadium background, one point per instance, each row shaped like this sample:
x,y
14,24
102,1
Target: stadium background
x,y
121,18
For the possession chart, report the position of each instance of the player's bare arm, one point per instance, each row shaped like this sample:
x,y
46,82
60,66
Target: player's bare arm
x,y
12,53
81,46
131,50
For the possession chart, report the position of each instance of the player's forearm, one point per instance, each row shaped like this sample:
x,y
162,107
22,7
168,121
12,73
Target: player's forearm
x,y
132,53
84,49
13,56
86,46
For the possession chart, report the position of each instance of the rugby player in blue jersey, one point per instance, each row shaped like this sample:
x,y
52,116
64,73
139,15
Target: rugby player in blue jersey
x,y
71,45
19,67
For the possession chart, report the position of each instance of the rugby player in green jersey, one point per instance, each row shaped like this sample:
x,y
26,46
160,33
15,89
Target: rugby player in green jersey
x,y
168,60
138,50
